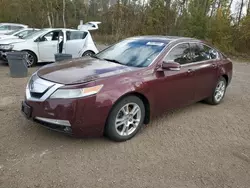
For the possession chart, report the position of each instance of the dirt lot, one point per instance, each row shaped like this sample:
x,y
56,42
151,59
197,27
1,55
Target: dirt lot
x,y
197,146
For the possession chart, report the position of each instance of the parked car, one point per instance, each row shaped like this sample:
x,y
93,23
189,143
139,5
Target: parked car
x,y
43,44
124,86
8,27
20,33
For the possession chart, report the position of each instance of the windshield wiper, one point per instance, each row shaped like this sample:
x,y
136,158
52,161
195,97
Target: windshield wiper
x,y
113,60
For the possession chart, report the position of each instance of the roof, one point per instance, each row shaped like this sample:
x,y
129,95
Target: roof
x,y
162,38
52,29
17,24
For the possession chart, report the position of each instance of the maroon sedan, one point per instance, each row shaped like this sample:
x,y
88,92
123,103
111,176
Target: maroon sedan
x,y
123,87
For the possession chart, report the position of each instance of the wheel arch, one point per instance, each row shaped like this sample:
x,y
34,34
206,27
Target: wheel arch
x,y
144,100
88,51
226,77
26,50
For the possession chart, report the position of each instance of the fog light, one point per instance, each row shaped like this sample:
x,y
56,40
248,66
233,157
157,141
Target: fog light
x,y
54,121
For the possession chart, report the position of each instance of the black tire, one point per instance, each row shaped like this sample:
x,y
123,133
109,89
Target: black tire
x,y
110,130
31,55
212,99
88,53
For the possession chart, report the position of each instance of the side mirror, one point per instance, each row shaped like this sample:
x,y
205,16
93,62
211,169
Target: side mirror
x,y
171,65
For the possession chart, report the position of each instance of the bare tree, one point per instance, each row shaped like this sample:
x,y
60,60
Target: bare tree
x,y
230,5
240,11
248,8
64,22
48,14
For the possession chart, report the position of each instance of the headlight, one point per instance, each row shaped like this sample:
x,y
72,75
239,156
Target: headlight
x,y
6,46
75,93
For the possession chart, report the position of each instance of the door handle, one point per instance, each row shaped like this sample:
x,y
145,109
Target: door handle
x,y
214,65
190,71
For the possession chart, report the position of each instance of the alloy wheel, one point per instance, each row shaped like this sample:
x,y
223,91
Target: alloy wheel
x,y
128,119
30,59
220,91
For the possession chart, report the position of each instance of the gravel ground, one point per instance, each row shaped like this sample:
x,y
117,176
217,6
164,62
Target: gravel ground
x,y
200,146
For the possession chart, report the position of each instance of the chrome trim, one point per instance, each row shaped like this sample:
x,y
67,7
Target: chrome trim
x,y
38,85
65,123
175,69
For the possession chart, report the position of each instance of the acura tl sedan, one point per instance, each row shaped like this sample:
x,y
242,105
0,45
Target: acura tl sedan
x,y
121,88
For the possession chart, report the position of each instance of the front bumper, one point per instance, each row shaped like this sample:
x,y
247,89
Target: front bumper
x,y
81,117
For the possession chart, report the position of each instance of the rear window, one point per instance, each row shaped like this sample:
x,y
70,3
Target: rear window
x,y
76,35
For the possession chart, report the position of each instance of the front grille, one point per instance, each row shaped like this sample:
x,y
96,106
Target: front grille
x,y
58,128
39,89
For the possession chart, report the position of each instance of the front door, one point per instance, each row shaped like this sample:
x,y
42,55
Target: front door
x,y
206,68
75,41
48,46
175,88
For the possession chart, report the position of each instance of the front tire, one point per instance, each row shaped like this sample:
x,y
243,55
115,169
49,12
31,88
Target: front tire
x,y
218,93
31,59
125,119
88,53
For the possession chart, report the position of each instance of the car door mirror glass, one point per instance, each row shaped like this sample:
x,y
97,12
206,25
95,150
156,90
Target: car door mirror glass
x,y
171,65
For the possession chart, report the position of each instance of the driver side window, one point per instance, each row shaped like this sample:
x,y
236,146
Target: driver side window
x,y
51,36
179,54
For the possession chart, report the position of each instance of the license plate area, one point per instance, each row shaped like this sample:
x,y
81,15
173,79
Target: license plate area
x,y
26,109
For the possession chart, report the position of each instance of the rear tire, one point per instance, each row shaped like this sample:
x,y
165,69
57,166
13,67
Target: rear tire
x,y
218,93
125,119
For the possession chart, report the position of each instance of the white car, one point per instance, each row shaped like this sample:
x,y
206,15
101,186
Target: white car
x,y
42,45
20,33
8,27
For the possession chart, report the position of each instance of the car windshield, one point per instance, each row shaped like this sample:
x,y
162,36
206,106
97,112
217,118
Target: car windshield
x,y
34,34
131,52
12,32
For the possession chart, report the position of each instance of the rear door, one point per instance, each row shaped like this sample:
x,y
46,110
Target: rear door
x,y
205,65
75,41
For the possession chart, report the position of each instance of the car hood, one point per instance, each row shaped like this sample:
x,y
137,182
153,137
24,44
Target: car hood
x,y
11,41
81,70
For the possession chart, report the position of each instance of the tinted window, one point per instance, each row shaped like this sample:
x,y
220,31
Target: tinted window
x,y
133,52
75,35
202,52
179,54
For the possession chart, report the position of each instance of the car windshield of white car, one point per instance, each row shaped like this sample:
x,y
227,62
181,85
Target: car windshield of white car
x,y
135,53
12,32
34,34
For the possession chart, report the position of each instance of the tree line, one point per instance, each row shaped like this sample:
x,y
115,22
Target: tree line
x,y
211,20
